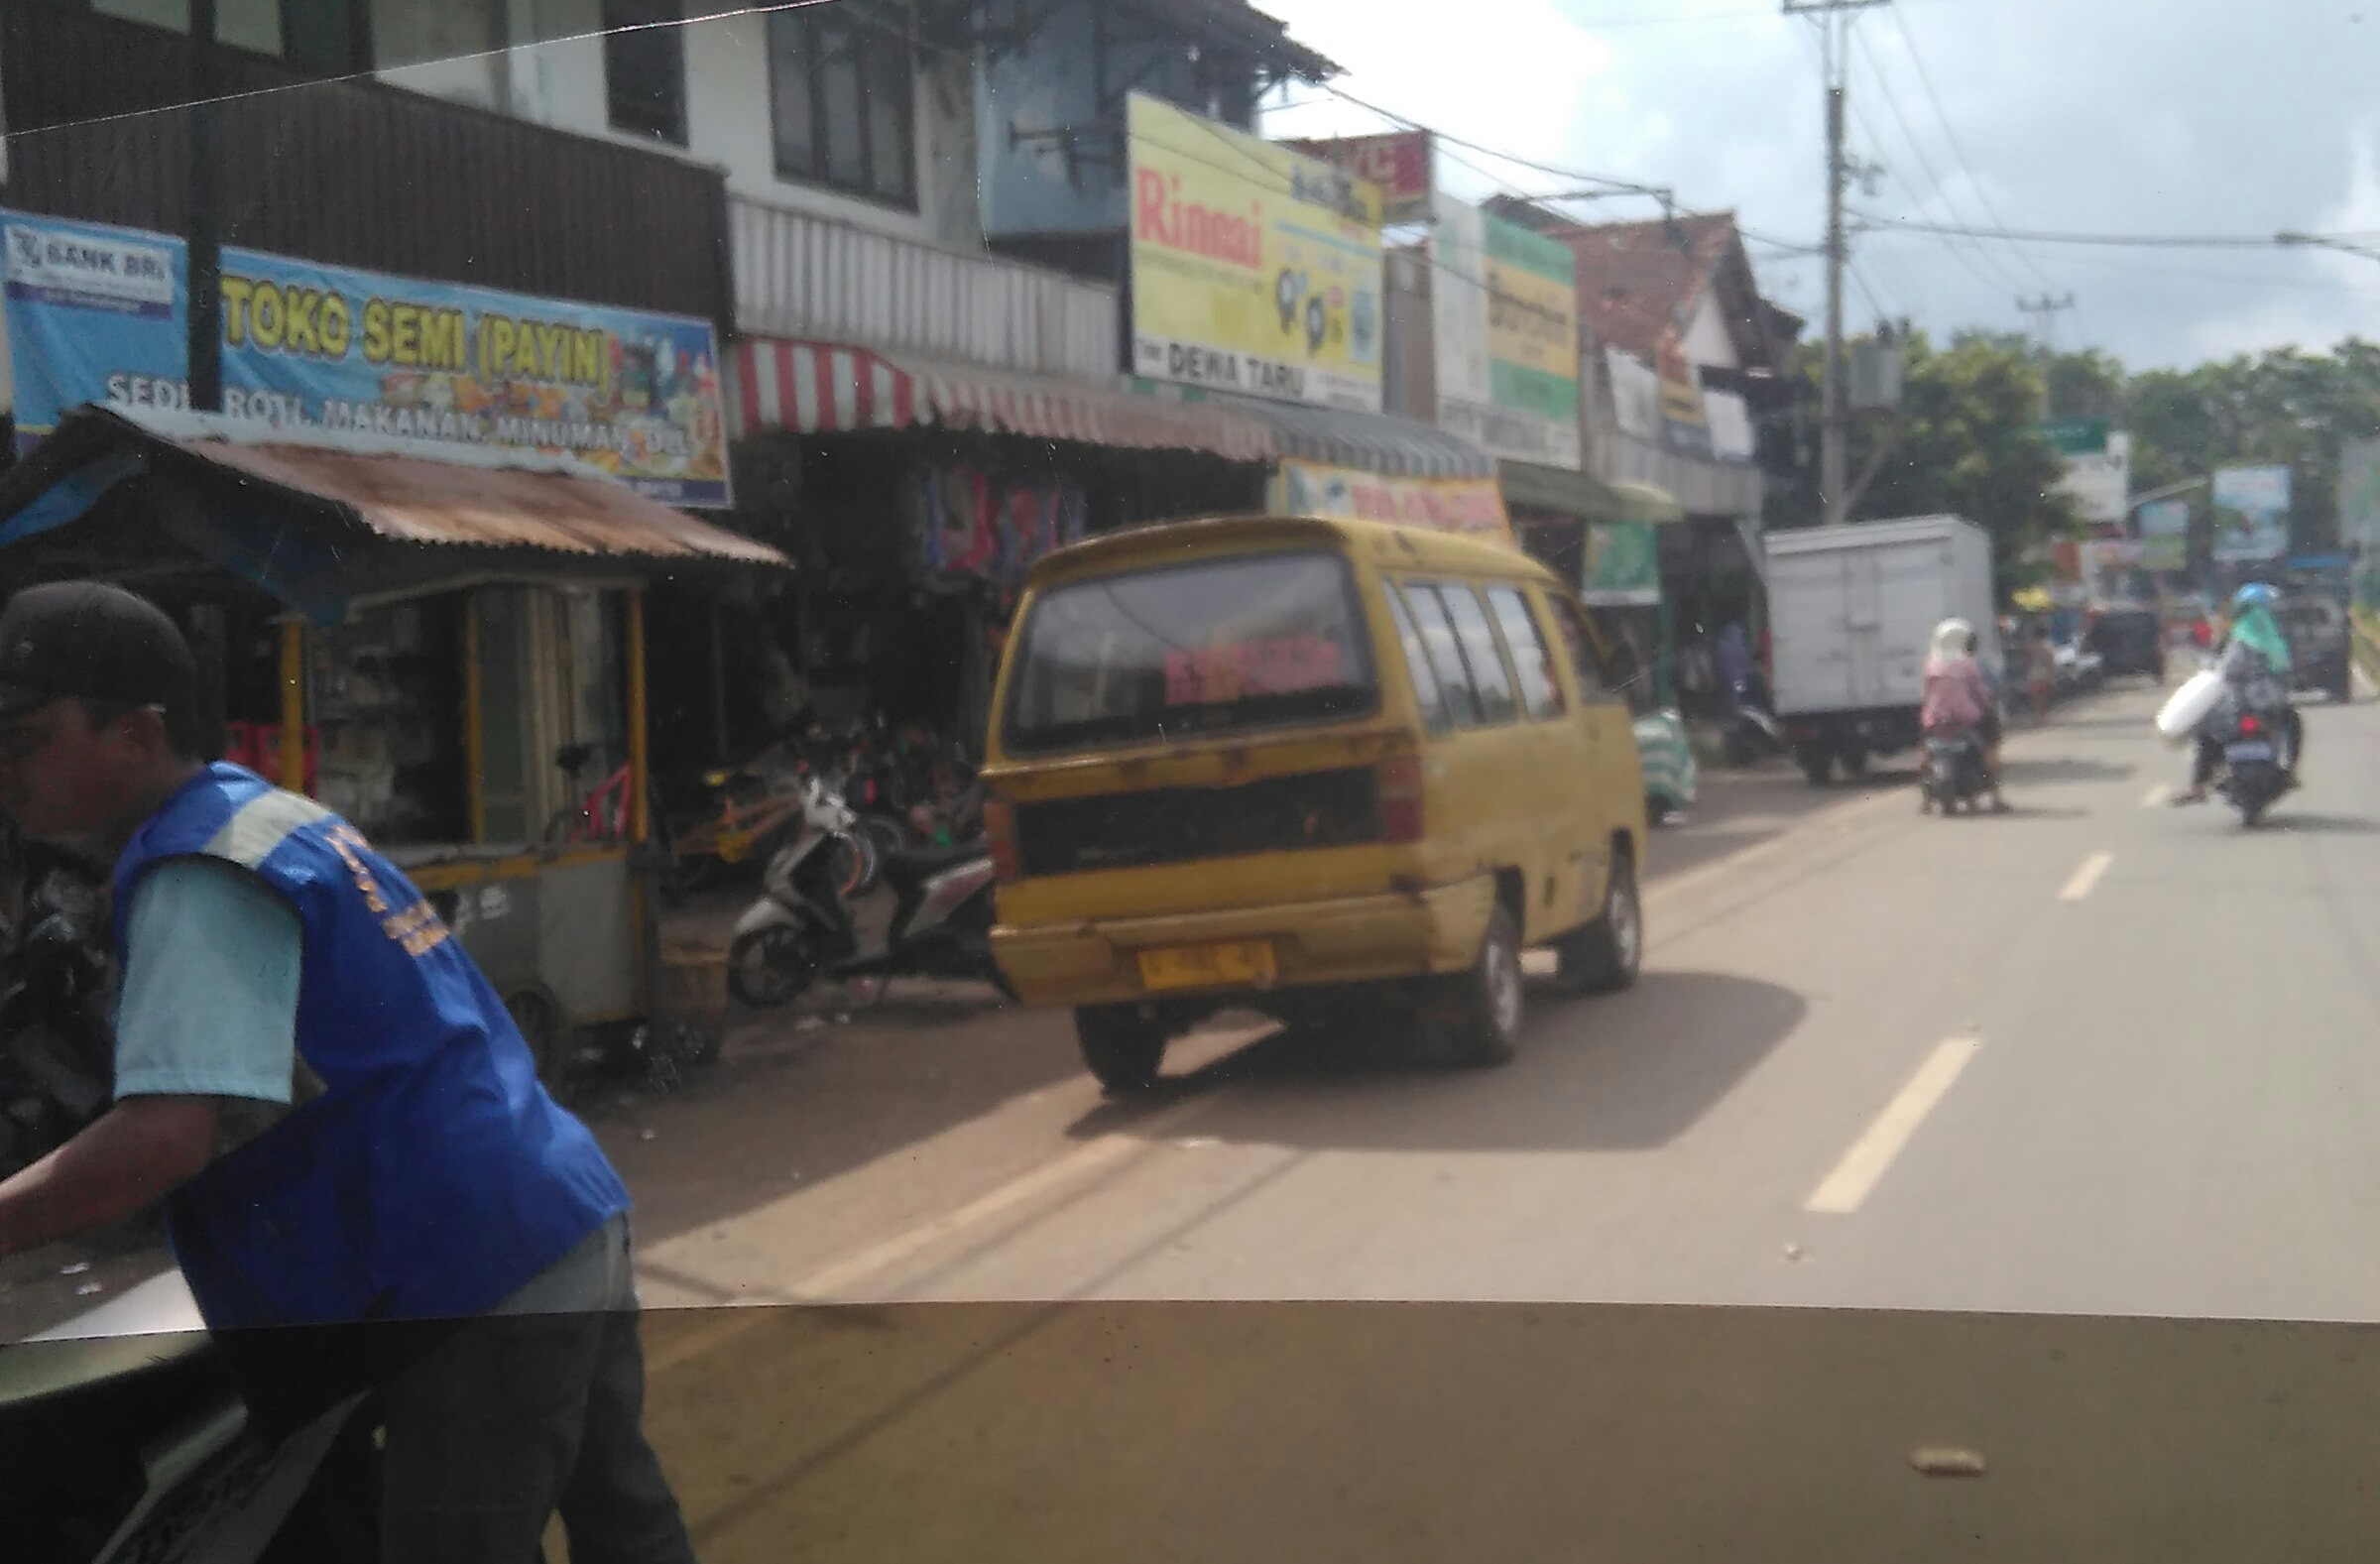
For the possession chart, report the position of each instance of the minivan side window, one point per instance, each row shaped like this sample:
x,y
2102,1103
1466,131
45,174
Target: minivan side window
x,y
1540,687
1486,659
1434,715
1582,653
1445,656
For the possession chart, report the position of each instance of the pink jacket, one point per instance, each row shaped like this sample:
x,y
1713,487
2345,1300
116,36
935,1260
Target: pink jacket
x,y
1955,694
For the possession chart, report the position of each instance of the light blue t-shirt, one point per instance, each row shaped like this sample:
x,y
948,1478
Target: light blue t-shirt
x,y
209,1001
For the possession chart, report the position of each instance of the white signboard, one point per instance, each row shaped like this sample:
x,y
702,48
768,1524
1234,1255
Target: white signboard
x,y
2101,481
1635,394
1730,426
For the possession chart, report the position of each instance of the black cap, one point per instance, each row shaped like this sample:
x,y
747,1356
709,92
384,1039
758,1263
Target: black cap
x,y
95,641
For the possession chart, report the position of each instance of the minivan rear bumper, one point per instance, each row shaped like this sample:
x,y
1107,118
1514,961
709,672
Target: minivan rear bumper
x,y
1349,939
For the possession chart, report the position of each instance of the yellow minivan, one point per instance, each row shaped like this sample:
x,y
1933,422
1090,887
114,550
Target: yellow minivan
x,y
1298,765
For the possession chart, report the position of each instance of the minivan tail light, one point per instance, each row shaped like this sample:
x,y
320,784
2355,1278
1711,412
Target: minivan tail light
x,y
1000,835
1398,783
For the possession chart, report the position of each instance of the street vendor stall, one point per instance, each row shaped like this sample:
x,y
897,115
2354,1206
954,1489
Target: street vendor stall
x,y
444,643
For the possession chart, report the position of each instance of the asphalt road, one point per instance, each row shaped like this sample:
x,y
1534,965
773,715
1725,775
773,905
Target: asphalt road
x,y
2051,1139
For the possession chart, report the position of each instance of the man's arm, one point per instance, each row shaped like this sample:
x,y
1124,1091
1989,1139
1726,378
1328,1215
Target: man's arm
x,y
132,1156
205,1054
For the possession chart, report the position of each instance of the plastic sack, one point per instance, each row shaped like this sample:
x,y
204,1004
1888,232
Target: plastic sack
x,y
2189,705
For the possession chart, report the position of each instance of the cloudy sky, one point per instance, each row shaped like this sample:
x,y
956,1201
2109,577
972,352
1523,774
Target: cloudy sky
x,y
2099,116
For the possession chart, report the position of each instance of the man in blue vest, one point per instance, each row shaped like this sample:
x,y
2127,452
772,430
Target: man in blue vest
x,y
343,1125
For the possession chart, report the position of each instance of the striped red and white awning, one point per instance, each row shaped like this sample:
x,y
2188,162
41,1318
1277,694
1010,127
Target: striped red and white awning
x,y
820,388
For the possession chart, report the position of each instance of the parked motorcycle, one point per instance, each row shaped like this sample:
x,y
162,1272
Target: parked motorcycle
x,y
1953,774
57,1050
800,922
1752,734
800,928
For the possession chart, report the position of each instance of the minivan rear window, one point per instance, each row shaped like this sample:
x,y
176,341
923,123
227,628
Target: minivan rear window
x,y
1190,648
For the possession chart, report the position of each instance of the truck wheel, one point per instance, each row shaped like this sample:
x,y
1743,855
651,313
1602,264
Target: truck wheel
x,y
1855,764
1487,998
1122,1049
1606,956
1817,765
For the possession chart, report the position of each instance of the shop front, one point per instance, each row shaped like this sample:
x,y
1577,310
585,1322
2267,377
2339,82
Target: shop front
x,y
916,493
448,648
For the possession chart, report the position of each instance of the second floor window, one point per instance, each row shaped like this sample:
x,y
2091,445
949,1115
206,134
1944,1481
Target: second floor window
x,y
644,68
840,98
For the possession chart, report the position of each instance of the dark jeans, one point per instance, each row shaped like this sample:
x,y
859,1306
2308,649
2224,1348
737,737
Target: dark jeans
x,y
536,1407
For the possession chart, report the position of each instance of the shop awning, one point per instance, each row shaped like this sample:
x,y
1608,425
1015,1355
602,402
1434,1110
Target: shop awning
x,y
1562,490
825,387
1648,501
402,492
1376,443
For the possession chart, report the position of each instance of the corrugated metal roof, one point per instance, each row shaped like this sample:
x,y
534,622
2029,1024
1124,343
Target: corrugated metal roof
x,y
411,500
420,492
1378,443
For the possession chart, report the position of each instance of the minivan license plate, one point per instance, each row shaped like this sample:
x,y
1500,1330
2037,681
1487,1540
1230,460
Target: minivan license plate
x,y
1208,966
2248,751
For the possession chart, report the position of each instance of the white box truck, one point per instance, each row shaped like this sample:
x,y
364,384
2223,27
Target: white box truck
x,y
1851,613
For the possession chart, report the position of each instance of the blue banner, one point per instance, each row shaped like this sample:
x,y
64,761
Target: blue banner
x,y
99,315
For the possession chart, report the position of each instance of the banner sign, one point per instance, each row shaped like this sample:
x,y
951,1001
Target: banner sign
x,y
1732,437
1504,315
2075,436
1398,163
2251,513
100,314
1454,505
1623,567
2164,534
1253,268
2100,481
1684,429
1635,394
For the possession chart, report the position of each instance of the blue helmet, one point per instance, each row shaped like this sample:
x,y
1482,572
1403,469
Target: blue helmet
x,y
2255,595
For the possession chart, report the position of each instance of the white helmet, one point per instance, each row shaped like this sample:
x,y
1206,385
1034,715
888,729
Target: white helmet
x,y
1952,637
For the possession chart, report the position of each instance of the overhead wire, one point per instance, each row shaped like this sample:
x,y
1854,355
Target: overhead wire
x,y
1941,187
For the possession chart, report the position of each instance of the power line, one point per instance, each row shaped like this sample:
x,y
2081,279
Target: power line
x,y
1950,132
1909,135
1660,193
2161,241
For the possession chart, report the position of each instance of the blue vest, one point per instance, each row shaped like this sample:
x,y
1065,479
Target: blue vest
x,y
433,1175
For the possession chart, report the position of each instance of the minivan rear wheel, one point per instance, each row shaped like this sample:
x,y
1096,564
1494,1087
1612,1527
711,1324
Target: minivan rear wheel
x,y
1122,1049
1607,954
1486,1023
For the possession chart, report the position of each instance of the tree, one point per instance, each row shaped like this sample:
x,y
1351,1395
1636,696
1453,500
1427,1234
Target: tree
x,y
1965,440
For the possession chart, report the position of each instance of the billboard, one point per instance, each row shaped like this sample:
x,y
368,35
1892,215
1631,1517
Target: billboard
x,y
1455,505
2099,482
1504,318
1622,567
1254,269
100,314
2251,513
1398,163
2164,534
1635,394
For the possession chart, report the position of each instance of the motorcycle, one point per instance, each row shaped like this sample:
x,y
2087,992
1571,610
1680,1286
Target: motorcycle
x,y
57,1050
800,929
799,924
1752,734
2255,769
1953,772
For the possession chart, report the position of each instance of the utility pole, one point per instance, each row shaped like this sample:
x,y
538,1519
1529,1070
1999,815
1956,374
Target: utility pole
x,y
204,250
2047,308
1834,19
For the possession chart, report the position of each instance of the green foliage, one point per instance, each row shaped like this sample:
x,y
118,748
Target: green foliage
x,y
1967,440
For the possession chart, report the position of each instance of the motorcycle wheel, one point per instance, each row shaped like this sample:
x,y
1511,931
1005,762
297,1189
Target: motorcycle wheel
x,y
769,967
854,865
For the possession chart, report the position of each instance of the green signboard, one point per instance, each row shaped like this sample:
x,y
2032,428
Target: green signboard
x,y
1623,564
2075,436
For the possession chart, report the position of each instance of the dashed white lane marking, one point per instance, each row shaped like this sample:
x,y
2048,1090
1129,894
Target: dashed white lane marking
x,y
1849,1185
2085,876
2157,798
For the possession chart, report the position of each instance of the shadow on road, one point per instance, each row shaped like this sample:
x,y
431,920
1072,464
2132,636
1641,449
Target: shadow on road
x,y
2294,824
2062,768
1620,1072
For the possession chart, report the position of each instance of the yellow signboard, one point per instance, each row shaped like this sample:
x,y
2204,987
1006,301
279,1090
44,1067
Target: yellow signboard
x,y
1253,268
1453,505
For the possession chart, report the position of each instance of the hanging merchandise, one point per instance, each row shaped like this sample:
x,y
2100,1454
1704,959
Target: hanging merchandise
x,y
969,528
